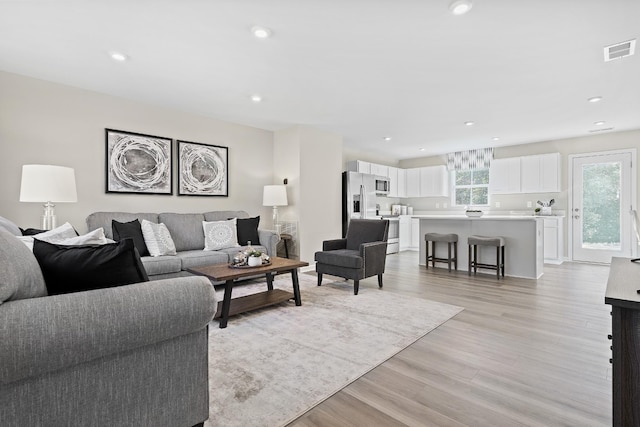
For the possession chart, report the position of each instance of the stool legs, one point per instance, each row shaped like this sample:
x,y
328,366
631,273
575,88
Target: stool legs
x,y
473,261
431,255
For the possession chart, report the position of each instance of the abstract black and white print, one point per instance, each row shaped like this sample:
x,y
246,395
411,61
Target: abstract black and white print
x,y
138,163
202,169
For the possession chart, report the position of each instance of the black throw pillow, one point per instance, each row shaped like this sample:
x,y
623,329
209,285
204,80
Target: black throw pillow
x,y
31,231
68,268
133,230
248,230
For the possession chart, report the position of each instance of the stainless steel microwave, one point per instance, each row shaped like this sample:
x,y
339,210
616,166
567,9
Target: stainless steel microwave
x,y
382,185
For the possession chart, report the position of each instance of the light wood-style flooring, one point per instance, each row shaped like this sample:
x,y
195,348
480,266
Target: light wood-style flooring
x,y
522,353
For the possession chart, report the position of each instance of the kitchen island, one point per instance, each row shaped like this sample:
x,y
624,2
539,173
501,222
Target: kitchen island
x,y
524,240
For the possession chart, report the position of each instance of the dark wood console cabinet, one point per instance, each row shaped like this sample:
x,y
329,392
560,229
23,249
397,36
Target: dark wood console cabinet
x,y
621,294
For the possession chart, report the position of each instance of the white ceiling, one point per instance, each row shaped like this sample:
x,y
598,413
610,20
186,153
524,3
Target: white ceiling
x,y
363,69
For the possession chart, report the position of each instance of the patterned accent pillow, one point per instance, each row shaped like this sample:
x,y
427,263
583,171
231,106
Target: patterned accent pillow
x,y
157,238
220,235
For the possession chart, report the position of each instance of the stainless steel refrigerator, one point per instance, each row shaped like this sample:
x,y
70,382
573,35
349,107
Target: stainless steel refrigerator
x,y
358,197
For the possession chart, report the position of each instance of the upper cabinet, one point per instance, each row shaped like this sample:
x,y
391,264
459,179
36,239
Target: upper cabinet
x,y
379,170
359,166
504,176
527,174
434,181
430,181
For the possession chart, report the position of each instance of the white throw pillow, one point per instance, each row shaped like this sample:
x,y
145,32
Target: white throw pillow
x,y
220,235
65,231
157,238
95,237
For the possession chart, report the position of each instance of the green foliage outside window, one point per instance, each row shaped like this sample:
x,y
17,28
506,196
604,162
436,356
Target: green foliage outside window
x,y
601,203
471,187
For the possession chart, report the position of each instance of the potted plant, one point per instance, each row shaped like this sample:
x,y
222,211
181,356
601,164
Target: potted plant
x,y
255,258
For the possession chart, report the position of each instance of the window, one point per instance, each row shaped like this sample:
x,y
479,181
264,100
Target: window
x,y
471,187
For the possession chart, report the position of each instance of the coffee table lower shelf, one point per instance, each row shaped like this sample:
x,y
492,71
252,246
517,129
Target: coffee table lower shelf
x,y
255,301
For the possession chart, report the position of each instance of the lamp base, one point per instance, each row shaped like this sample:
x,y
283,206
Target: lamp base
x,y
49,216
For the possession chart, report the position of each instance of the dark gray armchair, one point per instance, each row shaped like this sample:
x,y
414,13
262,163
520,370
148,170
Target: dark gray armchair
x,y
361,254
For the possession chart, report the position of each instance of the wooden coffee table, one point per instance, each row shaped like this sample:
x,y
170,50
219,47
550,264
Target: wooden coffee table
x,y
229,307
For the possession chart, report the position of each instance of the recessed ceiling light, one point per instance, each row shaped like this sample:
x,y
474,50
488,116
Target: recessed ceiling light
x,y
118,56
261,32
460,7
256,98
600,123
495,138
469,123
387,138
422,149
595,99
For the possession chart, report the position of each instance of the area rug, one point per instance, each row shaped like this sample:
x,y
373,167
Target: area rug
x,y
270,366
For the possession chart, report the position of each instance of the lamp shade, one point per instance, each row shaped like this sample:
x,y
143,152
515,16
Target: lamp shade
x,y
274,195
46,183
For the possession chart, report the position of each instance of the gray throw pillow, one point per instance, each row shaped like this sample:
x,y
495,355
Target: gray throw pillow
x,y
20,274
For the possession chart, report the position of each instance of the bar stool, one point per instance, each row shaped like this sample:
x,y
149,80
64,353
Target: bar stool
x,y
450,239
476,241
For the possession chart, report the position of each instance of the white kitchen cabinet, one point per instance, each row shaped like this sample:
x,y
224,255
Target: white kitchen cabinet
x,y
359,166
413,182
393,182
553,240
415,234
402,182
409,233
540,173
405,232
434,181
504,176
379,170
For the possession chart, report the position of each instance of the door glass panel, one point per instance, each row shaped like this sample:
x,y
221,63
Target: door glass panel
x,y
601,206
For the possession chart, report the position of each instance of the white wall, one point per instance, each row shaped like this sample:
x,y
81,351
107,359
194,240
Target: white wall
x,y
43,122
312,162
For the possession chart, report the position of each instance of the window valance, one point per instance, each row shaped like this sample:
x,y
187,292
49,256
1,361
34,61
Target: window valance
x,y
470,159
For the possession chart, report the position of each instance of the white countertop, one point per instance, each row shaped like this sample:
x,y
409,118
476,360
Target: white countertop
x,y
483,218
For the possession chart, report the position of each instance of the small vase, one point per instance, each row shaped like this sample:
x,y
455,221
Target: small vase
x,y
546,210
255,261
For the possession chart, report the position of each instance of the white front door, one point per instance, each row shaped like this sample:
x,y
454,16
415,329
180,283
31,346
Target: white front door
x,y
601,206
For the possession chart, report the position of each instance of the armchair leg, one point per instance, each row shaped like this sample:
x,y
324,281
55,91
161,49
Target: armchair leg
x,y
380,280
356,285
319,279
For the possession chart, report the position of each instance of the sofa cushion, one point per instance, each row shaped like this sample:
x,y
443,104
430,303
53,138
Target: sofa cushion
x,y
69,268
157,238
222,215
162,264
248,230
185,228
191,259
32,231
132,230
10,227
20,274
220,234
341,257
103,219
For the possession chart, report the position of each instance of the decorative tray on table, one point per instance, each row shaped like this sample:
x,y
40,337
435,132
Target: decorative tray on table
x,y
264,263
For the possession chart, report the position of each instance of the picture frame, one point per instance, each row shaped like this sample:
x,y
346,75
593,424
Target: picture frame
x,y
203,169
138,163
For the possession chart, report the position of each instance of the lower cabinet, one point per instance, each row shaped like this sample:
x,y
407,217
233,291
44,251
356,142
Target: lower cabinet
x,y
553,240
409,233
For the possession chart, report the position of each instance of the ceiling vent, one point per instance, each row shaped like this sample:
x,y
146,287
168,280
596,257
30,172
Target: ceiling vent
x,y
619,50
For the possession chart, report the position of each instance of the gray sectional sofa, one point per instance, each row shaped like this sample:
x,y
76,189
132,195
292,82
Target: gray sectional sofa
x,y
188,236
133,355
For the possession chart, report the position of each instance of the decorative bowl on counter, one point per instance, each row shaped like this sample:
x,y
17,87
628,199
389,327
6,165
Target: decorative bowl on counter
x,y
473,214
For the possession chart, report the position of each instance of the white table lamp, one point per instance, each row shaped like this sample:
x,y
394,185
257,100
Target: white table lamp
x,y
46,183
275,195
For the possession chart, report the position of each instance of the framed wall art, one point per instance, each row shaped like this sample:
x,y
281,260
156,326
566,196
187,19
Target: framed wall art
x,y
137,163
203,170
